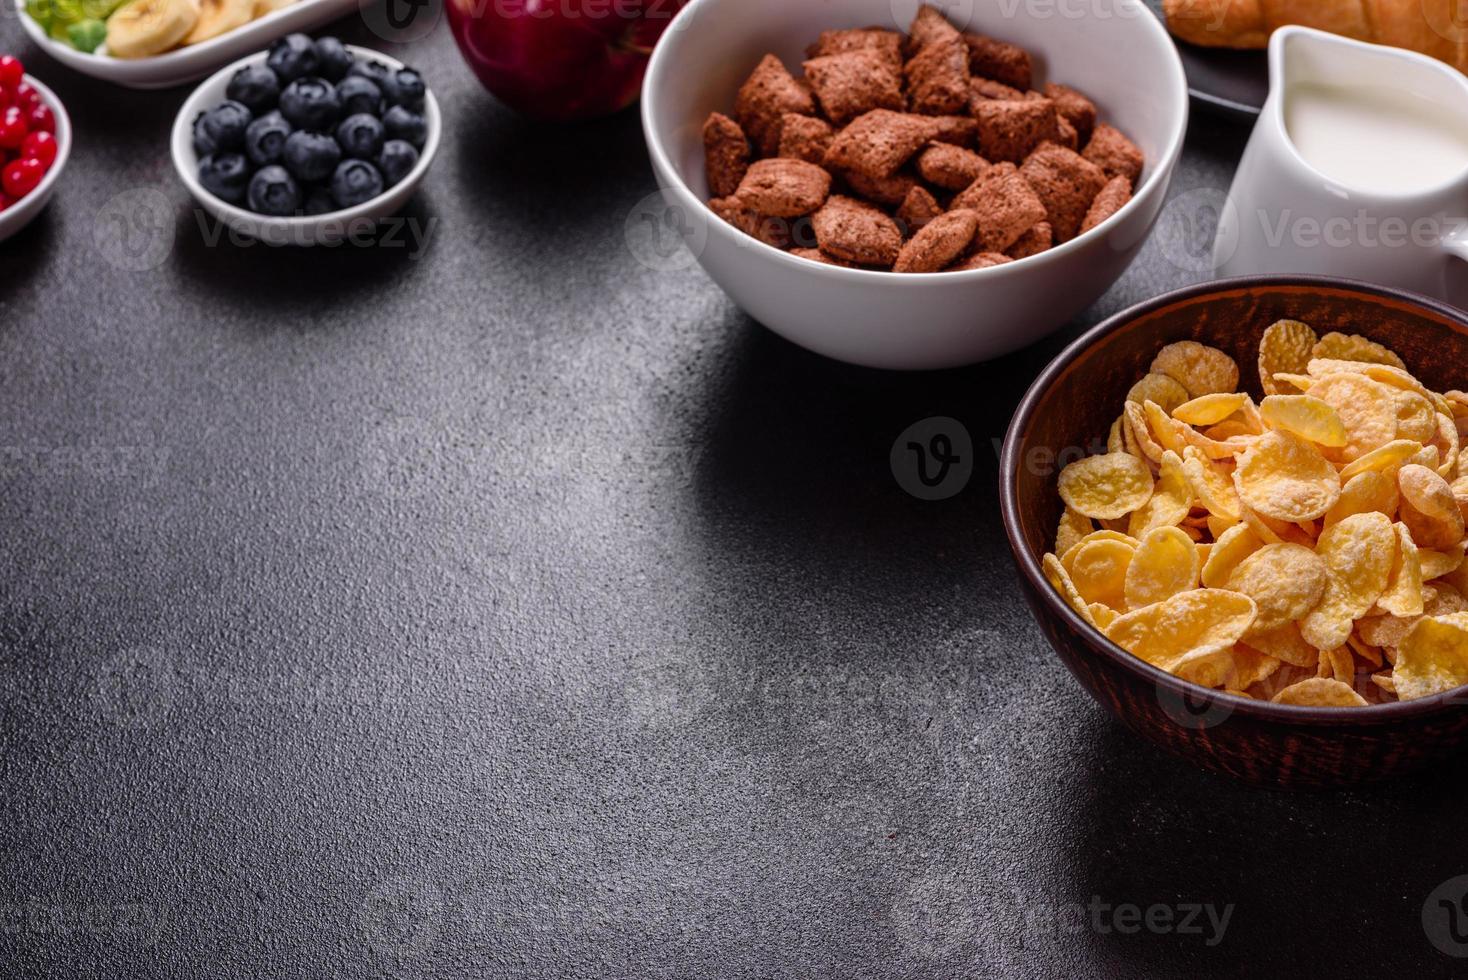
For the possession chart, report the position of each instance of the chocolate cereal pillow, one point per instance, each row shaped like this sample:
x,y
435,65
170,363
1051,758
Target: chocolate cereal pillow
x,y
924,152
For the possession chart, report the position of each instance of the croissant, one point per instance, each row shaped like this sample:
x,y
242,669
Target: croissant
x,y
1433,27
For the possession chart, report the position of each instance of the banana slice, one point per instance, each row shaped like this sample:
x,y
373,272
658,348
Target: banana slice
x,y
263,7
218,16
143,28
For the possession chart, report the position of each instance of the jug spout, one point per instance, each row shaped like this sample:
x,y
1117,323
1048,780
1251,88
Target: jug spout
x,y
1306,56
1367,118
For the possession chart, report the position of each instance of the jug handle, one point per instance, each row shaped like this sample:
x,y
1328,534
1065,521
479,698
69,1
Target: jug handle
x,y
1456,243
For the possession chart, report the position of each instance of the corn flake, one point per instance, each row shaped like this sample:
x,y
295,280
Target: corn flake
x,y
1367,410
1099,572
1286,478
1158,388
1429,507
1304,416
1166,563
1319,692
1358,554
1363,493
1106,487
1188,624
1060,579
1074,526
1285,550
1285,348
1171,501
1285,581
1210,409
1202,370
1339,346
1383,458
1433,658
1403,596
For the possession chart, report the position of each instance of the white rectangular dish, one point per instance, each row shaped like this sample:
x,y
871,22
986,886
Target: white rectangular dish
x,y
196,61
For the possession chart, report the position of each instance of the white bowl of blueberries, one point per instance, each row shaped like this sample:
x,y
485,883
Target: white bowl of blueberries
x,y
310,143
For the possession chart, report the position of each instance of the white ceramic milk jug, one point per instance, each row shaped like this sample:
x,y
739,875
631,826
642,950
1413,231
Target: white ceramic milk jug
x,y
1358,167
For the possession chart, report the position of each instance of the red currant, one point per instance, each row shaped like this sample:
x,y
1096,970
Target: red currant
x,y
26,95
20,177
13,128
11,70
40,119
39,146
7,96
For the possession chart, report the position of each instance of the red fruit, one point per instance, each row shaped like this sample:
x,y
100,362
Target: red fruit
x,y
574,59
39,146
7,96
26,95
5,201
40,118
20,177
11,70
13,128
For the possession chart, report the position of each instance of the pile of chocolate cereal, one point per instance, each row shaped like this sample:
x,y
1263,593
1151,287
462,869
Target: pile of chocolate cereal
x,y
923,153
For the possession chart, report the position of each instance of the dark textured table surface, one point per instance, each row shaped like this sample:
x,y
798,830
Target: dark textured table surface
x,y
510,608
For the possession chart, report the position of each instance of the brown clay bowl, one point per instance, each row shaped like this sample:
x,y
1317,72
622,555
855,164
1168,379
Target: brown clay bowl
x,y
1071,406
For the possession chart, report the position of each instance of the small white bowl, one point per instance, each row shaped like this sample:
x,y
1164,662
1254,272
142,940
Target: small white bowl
x,y
24,211
195,61
1115,51
305,230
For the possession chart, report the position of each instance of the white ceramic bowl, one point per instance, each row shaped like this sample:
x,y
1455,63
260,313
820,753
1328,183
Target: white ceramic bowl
x,y
195,61
24,211
323,229
1115,51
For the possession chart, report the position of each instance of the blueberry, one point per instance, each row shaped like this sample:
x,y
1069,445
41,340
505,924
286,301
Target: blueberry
x,y
221,129
255,87
358,93
311,103
374,71
292,57
406,88
311,156
360,136
265,139
273,191
404,125
396,161
355,182
225,176
318,201
332,59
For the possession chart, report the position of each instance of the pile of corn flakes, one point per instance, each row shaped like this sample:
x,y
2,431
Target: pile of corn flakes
x,y
1308,549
